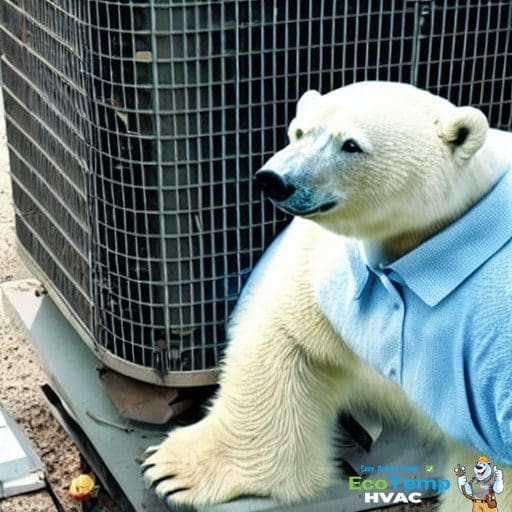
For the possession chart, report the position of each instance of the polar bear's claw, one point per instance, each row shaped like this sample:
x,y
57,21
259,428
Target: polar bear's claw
x,y
153,476
156,483
141,459
167,487
145,467
150,450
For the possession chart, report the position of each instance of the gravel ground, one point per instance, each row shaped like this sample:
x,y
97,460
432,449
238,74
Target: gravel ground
x,y
21,377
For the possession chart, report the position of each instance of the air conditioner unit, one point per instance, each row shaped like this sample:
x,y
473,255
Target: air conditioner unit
x,y
134,129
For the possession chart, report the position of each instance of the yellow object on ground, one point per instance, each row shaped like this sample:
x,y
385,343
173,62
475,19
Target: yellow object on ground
x,y
82,487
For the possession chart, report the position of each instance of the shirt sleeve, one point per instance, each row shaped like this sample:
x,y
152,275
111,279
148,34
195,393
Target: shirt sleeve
x,y
488,375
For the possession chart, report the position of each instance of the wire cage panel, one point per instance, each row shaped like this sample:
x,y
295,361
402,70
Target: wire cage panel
x,y
47,125
472,66
156,115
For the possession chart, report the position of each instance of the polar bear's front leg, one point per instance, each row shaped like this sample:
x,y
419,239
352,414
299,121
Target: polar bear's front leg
x,y
269,430
268,433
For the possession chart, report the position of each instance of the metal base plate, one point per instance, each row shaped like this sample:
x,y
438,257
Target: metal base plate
x,y
73,376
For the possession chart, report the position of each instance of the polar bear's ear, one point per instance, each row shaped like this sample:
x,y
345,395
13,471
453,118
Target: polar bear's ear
x,y
307,102
465,130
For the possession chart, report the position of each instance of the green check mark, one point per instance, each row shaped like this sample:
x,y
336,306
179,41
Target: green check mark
x,y
429,468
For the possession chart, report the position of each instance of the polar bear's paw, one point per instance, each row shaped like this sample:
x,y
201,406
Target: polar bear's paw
x,y
191,467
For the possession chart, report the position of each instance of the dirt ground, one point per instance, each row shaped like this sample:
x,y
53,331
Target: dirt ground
x,y
21,376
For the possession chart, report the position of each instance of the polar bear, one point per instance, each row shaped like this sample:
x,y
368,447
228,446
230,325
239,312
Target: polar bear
x,y
389,292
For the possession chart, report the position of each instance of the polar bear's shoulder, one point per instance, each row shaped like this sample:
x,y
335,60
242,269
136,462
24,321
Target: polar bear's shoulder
x,y
309,252
332,262
331,256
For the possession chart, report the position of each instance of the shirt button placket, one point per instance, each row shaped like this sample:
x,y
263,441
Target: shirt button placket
x,y
397,319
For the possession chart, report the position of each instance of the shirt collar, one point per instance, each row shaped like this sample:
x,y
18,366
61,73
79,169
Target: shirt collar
x,y
359,269
439,265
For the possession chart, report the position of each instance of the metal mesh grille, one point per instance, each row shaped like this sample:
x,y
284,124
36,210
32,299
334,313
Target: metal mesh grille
x,y
178,225
135,128
48,129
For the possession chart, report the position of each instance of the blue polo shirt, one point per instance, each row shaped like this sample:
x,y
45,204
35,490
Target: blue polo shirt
x,y
438,321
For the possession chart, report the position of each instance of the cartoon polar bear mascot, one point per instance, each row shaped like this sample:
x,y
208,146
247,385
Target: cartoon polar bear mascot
x,y
396,273
483,487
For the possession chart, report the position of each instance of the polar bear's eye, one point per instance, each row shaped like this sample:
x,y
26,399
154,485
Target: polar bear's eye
x,y
350,146
298,133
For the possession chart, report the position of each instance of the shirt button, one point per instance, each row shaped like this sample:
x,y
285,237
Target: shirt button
x,y
396,306
392,373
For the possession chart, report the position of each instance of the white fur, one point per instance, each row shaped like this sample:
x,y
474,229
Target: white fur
x,y
287,373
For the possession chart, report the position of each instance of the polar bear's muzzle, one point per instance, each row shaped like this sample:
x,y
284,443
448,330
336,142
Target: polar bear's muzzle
x,y
293,180
292,199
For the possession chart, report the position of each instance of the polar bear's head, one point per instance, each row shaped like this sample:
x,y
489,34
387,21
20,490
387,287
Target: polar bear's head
x,y
482,469
375,159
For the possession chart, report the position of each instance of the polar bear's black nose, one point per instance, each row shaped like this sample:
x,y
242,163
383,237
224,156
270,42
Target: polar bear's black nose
x,y
273,185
